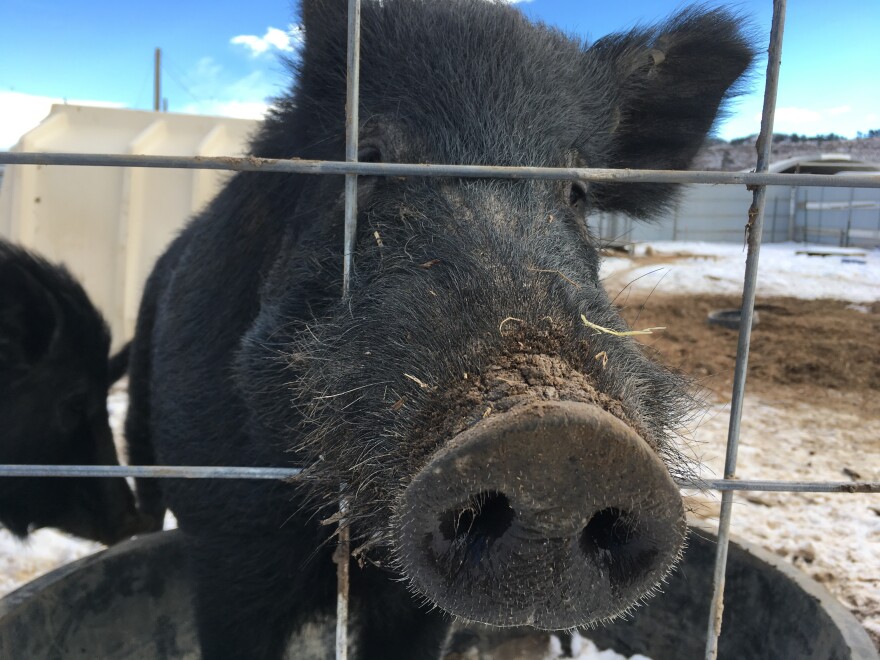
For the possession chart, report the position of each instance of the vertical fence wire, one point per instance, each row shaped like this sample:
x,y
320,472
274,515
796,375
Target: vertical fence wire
x,y
351,137
343,550
342,557
754,230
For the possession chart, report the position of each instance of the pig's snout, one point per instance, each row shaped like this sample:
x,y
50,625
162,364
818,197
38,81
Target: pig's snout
x,y
554,514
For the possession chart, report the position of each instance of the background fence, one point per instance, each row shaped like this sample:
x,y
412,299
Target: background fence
x,y
843,217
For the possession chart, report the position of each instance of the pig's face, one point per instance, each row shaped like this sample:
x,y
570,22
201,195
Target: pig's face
x,y
53,403
507,453
514,464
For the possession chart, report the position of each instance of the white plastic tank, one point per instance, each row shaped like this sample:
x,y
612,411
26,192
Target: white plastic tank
x,y
109,224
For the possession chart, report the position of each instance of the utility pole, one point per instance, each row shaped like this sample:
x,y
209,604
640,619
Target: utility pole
x,y
157,81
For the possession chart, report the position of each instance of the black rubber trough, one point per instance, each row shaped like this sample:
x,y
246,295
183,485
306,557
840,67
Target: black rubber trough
x,y
133,601
729,318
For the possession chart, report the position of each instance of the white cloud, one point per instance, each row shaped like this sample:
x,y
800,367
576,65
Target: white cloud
x,y
21,112
274,38
840,110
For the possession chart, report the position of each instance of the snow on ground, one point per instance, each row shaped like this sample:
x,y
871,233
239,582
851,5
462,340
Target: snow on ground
x,y
117,407
43,551
589,651
585,649
852,274
833,537
541,646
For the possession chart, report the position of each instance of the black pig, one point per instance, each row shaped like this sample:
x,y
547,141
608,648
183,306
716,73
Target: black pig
x,y
502,462
54,377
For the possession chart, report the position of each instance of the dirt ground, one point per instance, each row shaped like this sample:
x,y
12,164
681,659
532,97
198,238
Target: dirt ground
x,y
799,347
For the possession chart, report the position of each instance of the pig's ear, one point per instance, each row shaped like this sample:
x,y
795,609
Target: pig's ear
x,y
668,85
29,314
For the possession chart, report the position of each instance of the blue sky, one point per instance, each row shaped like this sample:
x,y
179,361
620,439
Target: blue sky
x,y
222,57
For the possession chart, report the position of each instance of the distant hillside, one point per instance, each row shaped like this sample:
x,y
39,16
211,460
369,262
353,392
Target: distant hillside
x,y
740,154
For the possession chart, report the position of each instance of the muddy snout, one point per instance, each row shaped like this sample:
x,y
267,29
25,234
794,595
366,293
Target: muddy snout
x,y
553,514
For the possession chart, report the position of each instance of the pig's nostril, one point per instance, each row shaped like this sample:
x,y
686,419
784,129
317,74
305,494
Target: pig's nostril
x,y
612,539
608,530
487,515
502,527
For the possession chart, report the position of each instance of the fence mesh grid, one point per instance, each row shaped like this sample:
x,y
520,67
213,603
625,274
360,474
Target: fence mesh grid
x,y
755,181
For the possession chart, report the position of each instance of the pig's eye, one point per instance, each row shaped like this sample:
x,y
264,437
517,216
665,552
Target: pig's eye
x,y
577,196
369,154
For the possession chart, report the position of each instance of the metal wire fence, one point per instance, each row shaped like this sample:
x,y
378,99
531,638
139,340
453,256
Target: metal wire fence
x,y
755,181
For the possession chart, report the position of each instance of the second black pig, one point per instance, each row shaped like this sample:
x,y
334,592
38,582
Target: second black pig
x,y
54,378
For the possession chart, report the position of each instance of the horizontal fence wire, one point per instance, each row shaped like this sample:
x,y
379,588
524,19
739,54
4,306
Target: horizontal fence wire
x,y
150,471
298,166
224,472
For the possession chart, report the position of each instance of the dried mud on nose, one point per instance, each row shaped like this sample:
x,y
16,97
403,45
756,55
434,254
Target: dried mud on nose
x,y
518,377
